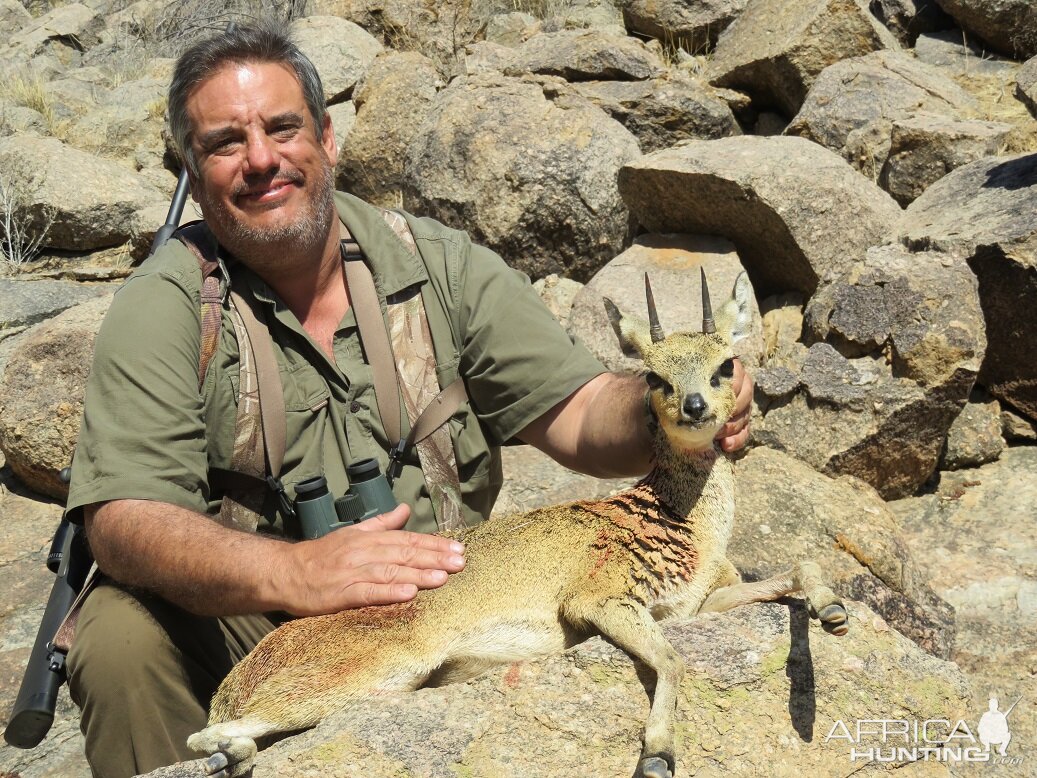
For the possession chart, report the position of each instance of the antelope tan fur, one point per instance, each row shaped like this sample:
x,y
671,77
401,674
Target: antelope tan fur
x,y
539,582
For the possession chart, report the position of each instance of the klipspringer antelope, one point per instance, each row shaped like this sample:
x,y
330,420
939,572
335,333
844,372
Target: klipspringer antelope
x,y
539,582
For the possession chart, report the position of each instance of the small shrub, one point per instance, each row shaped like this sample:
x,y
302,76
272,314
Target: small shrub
x,y
20,239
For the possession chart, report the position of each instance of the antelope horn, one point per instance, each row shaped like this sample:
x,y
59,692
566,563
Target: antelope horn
x,y
708,325
654,327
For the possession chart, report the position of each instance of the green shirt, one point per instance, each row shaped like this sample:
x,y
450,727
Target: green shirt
x,y
149,433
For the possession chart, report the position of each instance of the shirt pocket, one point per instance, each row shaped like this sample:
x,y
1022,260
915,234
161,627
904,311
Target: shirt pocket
x,y
306,398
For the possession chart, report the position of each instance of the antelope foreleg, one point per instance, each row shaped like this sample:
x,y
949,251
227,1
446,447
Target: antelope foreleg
x,y
632,628
805,578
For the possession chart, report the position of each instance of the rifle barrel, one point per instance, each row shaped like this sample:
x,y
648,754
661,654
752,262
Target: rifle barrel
x,y
33,711
176,210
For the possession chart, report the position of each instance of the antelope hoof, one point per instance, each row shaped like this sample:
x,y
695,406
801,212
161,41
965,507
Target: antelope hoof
x,y
231,757
216,765
834,619
655,767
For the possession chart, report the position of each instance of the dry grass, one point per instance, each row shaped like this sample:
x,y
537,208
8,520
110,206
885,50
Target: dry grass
x,y
28,90
157,108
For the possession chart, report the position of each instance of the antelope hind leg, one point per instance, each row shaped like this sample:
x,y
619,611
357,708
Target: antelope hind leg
x,y
633,629
231,745
823,603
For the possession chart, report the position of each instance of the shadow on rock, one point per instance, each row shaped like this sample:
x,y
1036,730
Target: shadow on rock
x,y
800,672
1018,173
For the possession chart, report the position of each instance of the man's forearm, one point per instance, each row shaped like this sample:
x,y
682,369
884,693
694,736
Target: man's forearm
x,y
185,557
600,429
205,568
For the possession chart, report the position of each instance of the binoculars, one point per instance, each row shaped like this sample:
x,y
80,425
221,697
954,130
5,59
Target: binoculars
x,y
319,513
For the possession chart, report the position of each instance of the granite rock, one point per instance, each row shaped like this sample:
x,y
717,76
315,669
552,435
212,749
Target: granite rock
x,y
794,210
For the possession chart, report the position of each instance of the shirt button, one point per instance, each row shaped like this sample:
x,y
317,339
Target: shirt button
x,y
354,407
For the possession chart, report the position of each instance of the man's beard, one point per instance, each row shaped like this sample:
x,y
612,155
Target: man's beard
x,y
259,246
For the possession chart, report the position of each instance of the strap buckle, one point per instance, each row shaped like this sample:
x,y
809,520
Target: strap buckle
x,y
350,250
395,465
287,509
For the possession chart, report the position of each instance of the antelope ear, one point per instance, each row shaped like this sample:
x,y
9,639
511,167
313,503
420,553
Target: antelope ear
x,y
735,318
632,332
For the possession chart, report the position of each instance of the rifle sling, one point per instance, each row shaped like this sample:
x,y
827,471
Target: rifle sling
x,y
375,339
438,412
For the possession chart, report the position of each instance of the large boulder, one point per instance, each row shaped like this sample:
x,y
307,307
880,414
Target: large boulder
x,y
973,539
961,57
763,691
127,122
920,311
1014,428
439,31
975,436
21,120
897,341
13,15
580,15
557,294
693,27
1007,289
924,148
69,97
532,480
786,512
984,212
991,201
662,112
91,200
341,51
511,28
672,263
1026,85
529,168
774,51
63,32
1007,26
41,396
25,302
585,55
852,105
392,101
794,210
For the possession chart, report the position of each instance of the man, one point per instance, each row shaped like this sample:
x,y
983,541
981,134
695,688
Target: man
x,y
184,597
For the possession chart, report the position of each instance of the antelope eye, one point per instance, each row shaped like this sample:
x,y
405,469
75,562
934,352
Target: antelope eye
x,y
655,382
727,369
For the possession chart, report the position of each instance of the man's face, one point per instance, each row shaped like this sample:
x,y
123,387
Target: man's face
x,y
263,177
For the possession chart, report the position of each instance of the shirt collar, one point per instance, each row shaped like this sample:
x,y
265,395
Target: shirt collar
x,y
394,266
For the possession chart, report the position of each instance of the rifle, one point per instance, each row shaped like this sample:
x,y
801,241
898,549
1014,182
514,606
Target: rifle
x,y
70,560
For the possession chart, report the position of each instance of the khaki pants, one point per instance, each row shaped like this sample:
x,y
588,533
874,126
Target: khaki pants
x,y
142,672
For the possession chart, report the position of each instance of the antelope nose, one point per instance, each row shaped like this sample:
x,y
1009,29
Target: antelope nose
x,y
694,406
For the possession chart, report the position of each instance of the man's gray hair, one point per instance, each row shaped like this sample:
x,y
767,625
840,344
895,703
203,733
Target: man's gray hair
x,y
237,45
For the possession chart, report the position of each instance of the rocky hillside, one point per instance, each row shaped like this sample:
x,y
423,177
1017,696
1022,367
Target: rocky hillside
x,y
871,165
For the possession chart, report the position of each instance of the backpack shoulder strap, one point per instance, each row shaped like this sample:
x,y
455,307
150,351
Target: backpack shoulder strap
x,y
260,420
200,242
